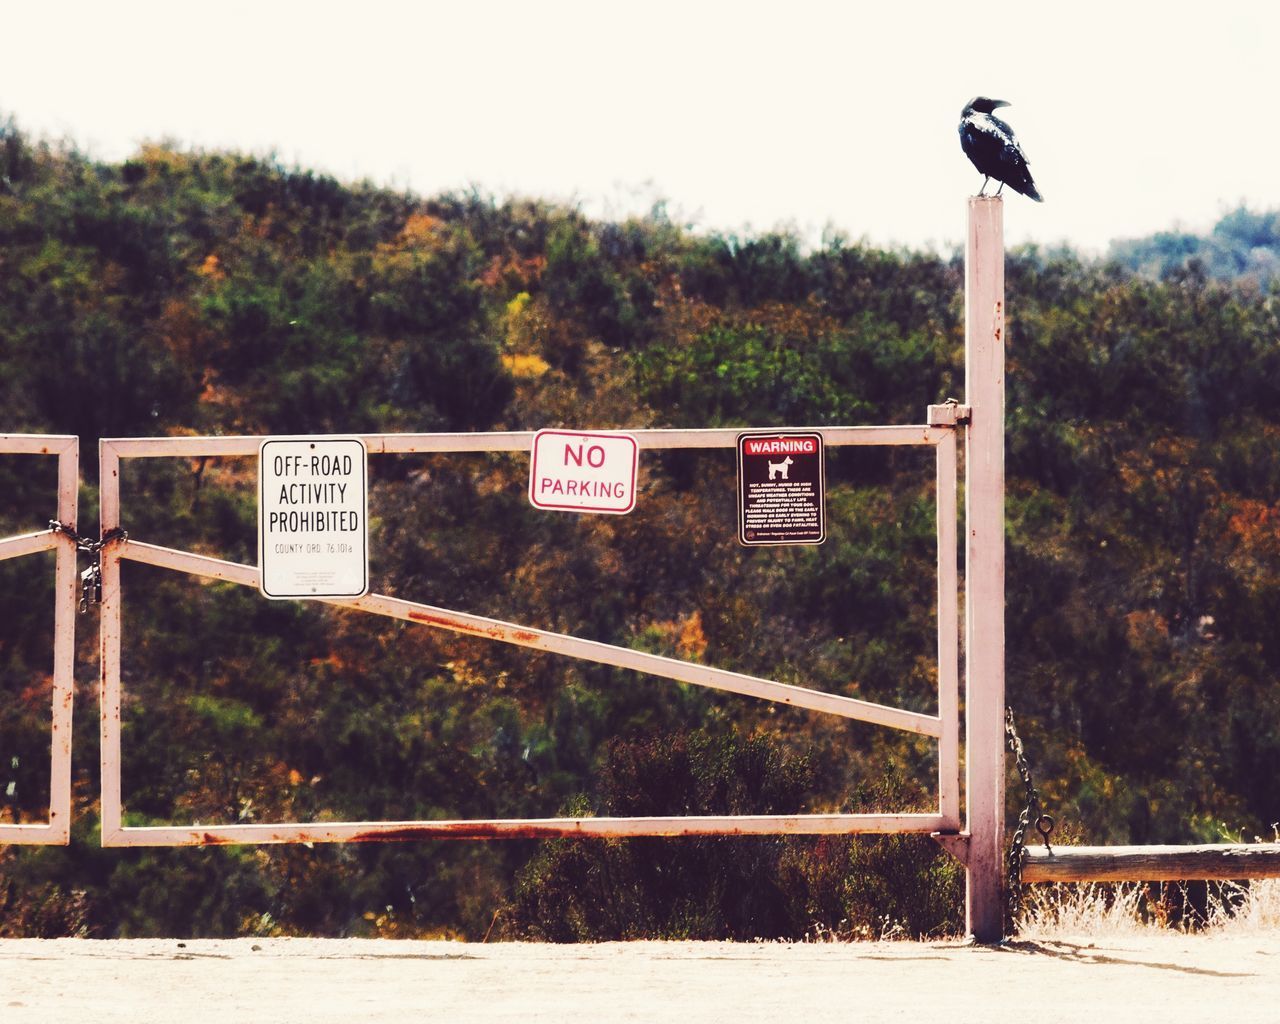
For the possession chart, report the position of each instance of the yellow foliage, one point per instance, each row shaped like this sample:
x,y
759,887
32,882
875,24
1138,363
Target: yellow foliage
x,y
517,305
419,228
525,365
684,635
520,322
155,156
693,641
419,237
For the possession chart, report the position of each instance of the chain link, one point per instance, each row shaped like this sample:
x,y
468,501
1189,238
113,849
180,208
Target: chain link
x,y
90,578
1030,812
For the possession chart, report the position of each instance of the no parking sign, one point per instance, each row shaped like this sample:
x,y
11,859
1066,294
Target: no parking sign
x,y
579,471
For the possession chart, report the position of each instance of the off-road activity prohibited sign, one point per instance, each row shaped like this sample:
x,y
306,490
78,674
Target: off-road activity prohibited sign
x,y
781,489
576,471
313,517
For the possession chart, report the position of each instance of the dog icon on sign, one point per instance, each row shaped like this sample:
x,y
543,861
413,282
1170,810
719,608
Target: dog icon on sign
x,y
781,468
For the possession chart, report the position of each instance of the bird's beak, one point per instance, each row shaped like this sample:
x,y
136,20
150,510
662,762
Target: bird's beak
x,y
1000,103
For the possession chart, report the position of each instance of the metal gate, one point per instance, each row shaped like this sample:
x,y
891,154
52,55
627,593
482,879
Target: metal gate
x,y
977,843
940,434
57,830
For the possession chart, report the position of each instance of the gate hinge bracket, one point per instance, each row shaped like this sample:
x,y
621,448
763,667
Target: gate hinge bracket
x,y
955,843
950,414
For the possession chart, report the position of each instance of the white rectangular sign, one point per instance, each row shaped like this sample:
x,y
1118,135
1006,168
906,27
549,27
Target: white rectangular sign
x,y
573,471
313,516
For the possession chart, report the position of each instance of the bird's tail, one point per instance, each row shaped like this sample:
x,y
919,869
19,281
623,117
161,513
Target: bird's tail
x,y
1029,190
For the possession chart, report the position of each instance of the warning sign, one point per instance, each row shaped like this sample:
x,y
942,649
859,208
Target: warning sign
x,y
781,489
313,517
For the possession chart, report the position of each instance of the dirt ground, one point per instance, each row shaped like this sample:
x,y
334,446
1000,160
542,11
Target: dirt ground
x,y
1166,979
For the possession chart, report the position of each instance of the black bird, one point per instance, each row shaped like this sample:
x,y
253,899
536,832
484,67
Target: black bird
x,y
989,143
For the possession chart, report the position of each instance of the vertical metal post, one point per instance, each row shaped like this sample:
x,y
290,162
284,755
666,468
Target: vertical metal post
x,y
64,646
984,566
109,644
948,637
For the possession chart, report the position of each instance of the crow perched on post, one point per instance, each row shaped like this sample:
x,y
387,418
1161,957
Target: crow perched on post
x,y
989,143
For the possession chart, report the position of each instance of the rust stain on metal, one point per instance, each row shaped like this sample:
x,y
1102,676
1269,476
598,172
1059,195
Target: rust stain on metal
x,y
494,632
521,830
443,621
211,839
463,830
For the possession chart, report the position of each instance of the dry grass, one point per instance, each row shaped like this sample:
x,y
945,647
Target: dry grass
x,y
1228,909
1058,909
1133,908
1257,911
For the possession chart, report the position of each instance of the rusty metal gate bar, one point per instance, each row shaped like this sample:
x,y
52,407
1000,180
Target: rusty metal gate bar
x,y
944,727
57,830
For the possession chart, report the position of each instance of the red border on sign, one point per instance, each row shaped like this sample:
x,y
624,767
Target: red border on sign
x,y
611,436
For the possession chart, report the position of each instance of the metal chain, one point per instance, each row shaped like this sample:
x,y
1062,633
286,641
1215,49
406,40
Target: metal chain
x,y
1043,822
91,578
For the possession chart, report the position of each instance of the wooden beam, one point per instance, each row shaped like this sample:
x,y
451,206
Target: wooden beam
x,y
1214,862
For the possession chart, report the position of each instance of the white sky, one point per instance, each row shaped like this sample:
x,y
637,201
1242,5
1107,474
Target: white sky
x,y
741,115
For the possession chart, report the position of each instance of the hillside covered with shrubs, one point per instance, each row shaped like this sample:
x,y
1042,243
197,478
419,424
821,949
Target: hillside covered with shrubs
x,y
187,293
